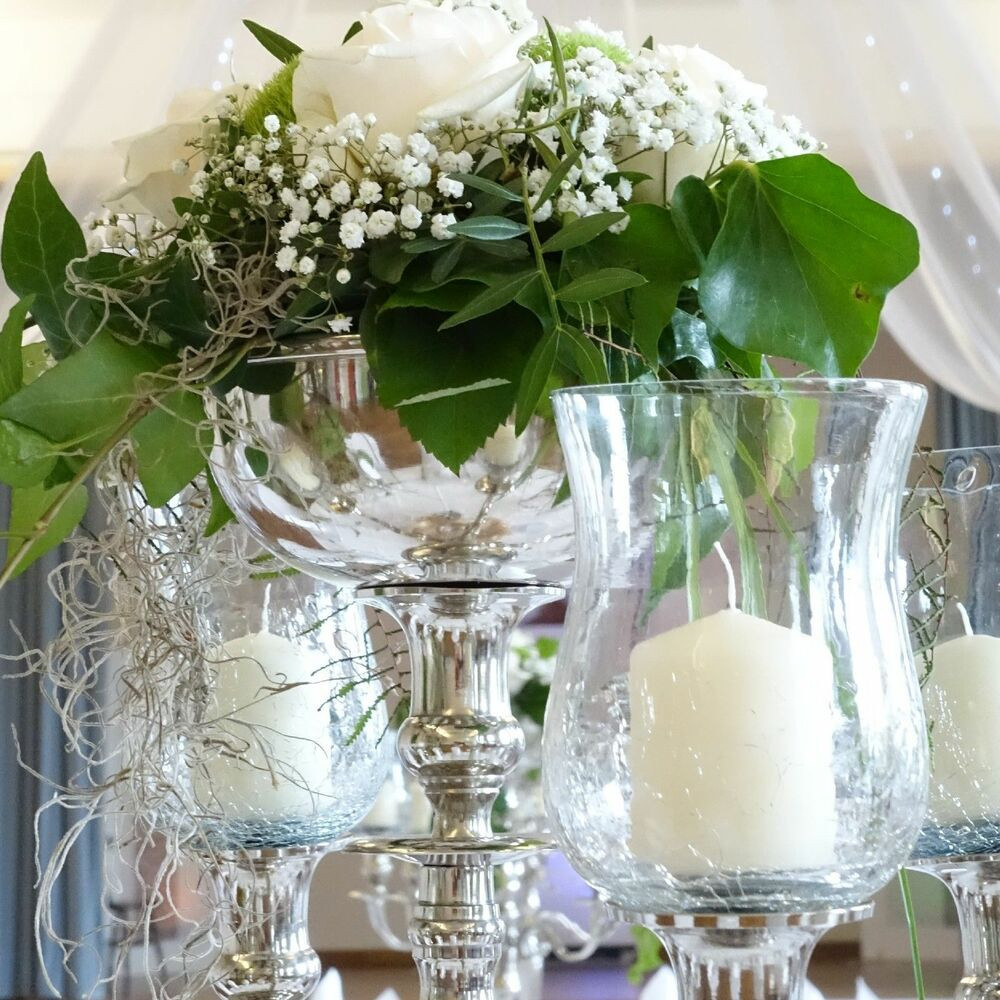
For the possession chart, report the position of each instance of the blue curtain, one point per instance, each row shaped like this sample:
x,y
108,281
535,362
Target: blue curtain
x,y
28,603
962,425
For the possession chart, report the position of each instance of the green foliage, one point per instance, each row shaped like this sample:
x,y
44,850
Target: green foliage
x,y
531,700
274,98
279,47
35,516
40,239
569,43
649,955
170,446
803,262
11,359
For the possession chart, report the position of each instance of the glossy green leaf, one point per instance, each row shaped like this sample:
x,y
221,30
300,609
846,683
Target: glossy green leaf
x,y
489,227
536,375
803,263
279,46
27,507
11,360
587,358
558,63
559,174
600,284
220,515
26,457
452,388
582,231
493,298
487,186
447,298
83,398
170,446
40,238
696,215
691,340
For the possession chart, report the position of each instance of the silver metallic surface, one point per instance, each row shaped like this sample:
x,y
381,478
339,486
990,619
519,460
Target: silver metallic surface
x,y
264,895
460,741
733,955
974,883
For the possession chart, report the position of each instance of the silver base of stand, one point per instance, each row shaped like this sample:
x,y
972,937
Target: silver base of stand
x,y
264,897
727,956
461,741
974,883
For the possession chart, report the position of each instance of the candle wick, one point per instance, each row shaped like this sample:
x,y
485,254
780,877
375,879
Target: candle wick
x,y
964,615
730,576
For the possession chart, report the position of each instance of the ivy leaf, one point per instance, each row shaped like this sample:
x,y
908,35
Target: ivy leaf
x,y
489,227
87,394
696,215
691,340
600,284
582,231
11,362
40,238
170,446
486,185
26,457
220,514
27,506
452,388
279,47
180,309
495,297
535,378
803,263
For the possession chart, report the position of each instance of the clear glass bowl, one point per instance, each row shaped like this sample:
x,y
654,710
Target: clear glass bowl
x,y
287,747
735,723
332,481
951,552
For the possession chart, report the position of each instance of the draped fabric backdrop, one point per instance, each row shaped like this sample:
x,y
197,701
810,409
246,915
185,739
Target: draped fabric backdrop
x,y
906,93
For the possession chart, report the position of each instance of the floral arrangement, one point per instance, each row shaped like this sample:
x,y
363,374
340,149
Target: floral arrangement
x,y
525,207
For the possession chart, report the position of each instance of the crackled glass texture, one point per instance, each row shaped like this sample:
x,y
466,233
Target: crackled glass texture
x,y
324,475
951,557
735,723
289,750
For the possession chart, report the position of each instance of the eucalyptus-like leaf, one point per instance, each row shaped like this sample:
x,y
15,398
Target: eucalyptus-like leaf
x,y
487,186
600,284
493,298
279,46
803,262
489,227
588,358
535,378
558,63
582,231
553,184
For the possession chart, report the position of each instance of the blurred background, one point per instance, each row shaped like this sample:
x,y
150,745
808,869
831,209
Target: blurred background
x,y
906,94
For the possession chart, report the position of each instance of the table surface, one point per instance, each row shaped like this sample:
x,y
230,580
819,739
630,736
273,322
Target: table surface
x,y
836,979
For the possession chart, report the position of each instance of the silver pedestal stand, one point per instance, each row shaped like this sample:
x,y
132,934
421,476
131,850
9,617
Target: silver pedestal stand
x,y
461,741
974,883
264,897
725,956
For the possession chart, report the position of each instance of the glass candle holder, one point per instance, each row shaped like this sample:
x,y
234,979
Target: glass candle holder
x,y
950,546
735,725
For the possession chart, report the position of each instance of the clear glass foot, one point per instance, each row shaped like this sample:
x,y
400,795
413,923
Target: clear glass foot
x,y
974,883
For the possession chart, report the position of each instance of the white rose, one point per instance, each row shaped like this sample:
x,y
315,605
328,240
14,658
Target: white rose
x,y
151,182
414,62
707,76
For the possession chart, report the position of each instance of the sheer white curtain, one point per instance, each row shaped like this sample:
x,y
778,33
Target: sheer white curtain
x,y
906,93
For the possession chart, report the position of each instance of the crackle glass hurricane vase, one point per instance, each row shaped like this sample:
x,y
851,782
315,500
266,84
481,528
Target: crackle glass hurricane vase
x,y
735,724
333,481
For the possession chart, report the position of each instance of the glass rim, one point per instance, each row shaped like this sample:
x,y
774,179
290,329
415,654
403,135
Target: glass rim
x,y
801,386
969,449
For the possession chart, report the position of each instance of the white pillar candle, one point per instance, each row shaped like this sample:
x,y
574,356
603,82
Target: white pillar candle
x,y
281,762
962,704
504,448
731,749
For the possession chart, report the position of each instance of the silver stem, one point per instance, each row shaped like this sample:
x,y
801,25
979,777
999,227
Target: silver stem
x,y
461,741
974,883
727,956
264,896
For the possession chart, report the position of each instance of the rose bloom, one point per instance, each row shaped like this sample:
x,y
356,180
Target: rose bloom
x,y
706,73
413,62
151,184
